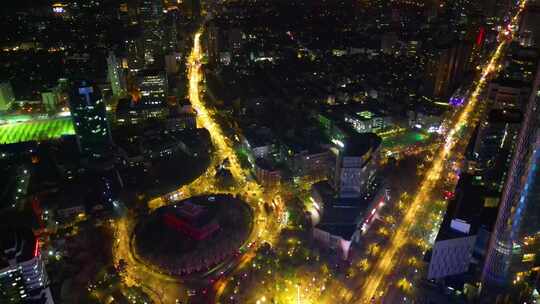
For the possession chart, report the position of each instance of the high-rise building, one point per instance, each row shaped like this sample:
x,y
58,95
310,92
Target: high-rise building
x,y
529,30
135,52
512,88
50,100
123,9
450,67
459,251
388,42
193,7
6,96
90,120
151,102
153,87
236,39
357,165
466,226
518,219
150,16
23,278
213,43
498,132
171,30
150,11
172,63
495,10
116,75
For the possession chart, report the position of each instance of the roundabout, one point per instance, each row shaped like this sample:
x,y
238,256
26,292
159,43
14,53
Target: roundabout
x,y
194,235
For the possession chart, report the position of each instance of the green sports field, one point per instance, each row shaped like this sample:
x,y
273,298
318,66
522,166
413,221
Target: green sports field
x,y
35,130
405,139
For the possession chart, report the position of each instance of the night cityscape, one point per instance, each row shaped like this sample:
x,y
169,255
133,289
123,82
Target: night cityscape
x,y
269,151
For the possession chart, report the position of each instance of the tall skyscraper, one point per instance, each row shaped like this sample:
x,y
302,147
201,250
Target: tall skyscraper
x,y
171,30
135,55
23,278
50,100
150,11
172,63
529,30
213,43
151,16
194,8
153,87
6,96
497,133
451,65
518,219
116,75
357,165
90,120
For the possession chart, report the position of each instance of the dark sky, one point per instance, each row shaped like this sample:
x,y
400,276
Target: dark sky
x,y
21,4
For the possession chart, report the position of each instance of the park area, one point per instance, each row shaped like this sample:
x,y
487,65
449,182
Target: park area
x,y
45,129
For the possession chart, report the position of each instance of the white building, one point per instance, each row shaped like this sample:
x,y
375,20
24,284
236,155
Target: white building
x,y
357,165
22,273
451,256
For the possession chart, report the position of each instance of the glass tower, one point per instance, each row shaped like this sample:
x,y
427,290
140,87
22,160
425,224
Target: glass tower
x,y
90,120
518,220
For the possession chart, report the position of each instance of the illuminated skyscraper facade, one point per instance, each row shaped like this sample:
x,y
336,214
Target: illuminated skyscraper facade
x,y
150,16
116,75
518,219
90,120
153,87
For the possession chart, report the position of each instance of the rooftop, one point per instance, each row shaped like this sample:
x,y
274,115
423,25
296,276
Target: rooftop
x,y
265,164
468,211
359,144
362,111
341,215
18,244
512,116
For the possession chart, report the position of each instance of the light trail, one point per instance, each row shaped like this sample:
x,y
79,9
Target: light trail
x,y
390,257
159,287
267,229
163,288
167,289
204,116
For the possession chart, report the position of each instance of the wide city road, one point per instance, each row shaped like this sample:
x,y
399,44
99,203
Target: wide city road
x,y
375,286
266,228
161,287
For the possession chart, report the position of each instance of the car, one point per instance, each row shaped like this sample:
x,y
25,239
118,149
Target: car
x,y
448,195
